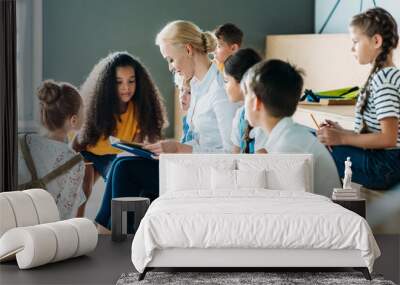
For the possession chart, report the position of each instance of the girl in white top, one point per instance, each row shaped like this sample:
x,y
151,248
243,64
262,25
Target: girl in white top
x,y
245,138
61,112
210,114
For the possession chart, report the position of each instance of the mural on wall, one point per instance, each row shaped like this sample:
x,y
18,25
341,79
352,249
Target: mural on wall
x,y
70,49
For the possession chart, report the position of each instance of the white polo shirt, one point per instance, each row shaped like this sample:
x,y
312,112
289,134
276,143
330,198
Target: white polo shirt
x,y
290,137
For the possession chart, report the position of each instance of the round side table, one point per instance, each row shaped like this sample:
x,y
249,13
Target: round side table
x,y
119,209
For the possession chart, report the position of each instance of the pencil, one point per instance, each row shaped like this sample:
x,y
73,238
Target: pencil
x,y
317,125
315,121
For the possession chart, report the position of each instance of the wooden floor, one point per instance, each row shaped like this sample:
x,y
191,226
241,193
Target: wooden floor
x,y
110,260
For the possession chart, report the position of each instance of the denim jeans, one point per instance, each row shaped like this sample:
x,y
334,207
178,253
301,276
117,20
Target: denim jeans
x,y
128,177
101,163
375,169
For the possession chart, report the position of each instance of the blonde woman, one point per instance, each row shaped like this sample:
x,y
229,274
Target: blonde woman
x,y
185,47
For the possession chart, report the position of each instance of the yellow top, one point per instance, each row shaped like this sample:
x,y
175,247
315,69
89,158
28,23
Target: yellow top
x,y
126,130
220,66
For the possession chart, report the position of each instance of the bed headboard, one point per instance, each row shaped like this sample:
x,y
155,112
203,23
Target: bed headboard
x,y
326,59
280,164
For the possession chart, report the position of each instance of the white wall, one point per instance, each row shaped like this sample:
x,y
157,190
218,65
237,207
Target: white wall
x,y
346,9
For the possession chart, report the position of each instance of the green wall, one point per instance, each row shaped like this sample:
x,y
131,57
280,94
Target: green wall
x,y
76,33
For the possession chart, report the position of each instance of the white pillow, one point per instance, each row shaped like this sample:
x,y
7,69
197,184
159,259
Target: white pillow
x,y
191,176
281,174
294,178
251,178
186,177
226,179
223,179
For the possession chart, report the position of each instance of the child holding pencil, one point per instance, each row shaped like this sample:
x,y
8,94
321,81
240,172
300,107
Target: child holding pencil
x,y
374,145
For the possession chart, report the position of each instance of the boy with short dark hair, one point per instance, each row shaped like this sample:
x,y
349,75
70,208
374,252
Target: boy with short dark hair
x,y
272,91
229,40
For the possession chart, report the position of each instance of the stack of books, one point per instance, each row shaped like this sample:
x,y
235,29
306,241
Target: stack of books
x,y
345,194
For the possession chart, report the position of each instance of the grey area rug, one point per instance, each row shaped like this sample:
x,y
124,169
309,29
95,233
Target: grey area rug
x,y
243,278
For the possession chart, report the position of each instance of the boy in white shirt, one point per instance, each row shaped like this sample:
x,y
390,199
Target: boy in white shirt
x,y
272,90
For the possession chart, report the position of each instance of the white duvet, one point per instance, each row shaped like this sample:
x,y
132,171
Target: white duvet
x,y
250,219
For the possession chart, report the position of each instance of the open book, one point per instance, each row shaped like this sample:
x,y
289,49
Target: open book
x,y
134,148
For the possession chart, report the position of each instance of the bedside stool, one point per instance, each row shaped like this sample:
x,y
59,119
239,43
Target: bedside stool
x,y
119,209
356,205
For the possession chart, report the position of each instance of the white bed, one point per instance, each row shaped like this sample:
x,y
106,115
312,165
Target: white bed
x,y
221,211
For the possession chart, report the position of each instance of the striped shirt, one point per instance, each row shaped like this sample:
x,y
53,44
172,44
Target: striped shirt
x,y
383,101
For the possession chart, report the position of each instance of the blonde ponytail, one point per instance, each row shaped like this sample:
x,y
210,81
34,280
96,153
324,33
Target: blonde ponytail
x,y
185,32
210,42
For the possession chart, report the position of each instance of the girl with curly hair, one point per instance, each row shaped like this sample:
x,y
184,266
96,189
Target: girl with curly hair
x,y
374,146
121,101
